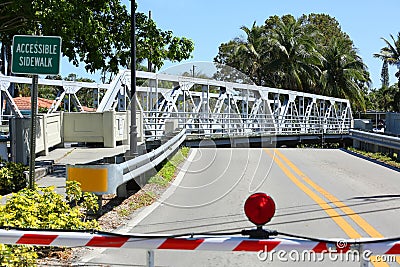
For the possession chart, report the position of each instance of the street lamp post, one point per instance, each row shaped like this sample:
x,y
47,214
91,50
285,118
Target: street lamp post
x,y
133,129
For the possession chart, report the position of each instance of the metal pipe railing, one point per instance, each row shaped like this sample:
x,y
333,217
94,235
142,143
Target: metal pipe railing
x,y
233,124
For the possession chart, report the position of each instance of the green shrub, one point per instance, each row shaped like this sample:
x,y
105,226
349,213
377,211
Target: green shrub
x,y
12,177
381,157
17,255
6,181
45,209
167,172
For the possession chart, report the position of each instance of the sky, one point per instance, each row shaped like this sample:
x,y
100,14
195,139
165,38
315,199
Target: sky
x,y
210,23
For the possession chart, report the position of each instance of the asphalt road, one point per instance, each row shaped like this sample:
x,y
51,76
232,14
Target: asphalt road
x,y
318,193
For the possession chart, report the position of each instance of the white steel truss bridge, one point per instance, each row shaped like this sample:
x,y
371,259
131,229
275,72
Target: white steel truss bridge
x,y
216,108
207,108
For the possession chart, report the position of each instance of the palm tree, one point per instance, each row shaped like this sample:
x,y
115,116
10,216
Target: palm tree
x,y
295,59
251,52
344,73
391,54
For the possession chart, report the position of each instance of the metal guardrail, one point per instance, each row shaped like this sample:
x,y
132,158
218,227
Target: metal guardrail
x,y
142,164
376,139
106,178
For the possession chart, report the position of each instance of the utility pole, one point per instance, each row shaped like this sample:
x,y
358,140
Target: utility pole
x,y
194,66
149,67
133,130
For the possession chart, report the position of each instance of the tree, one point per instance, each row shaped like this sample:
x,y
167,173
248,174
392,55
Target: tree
x,y
158,45
227,57
252,51
328,28
391,54
382,99
247,54
297,54
344,73
9,19
295,58
281,53
94,32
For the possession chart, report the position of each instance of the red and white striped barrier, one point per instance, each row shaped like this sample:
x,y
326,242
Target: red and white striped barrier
x,y
221,243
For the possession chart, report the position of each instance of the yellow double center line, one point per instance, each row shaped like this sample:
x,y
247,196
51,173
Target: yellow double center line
x,y
278,157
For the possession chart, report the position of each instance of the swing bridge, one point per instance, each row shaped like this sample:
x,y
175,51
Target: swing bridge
x,y
207,109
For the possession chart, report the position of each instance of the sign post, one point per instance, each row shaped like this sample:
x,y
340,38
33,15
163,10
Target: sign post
x,y
35,55
32,140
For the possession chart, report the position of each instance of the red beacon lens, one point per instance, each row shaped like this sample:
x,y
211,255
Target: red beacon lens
x,y
259,208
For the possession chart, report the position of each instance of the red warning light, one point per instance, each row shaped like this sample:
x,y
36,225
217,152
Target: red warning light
x,y
259,208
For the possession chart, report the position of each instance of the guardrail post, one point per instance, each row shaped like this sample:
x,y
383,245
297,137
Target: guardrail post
x,y
122,192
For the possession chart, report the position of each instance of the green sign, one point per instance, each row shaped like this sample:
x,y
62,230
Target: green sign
x,y
36,54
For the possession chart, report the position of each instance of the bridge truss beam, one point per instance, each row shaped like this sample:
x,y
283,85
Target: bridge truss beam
x,y
210,107
216,108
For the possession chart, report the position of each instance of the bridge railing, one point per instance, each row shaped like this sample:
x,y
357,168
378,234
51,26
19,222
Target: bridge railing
x,y
108,178
375,142
231,124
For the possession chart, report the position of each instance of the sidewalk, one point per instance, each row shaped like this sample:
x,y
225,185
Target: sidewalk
x,y
81,155
73,155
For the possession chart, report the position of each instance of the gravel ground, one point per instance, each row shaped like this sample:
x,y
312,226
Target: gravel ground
x,y
118,215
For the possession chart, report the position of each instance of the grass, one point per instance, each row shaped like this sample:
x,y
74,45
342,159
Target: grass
x,y
146,199
167,172
381,157
319,145
162,178
139,200
143,199
123,212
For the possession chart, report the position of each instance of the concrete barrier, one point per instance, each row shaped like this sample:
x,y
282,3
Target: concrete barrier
x,y
48,134
107,127
54,129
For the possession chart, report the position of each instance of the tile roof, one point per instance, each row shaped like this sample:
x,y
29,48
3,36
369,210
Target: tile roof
x,y
24,103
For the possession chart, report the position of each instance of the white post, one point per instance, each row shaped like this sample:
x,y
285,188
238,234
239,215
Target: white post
x,y
150,258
